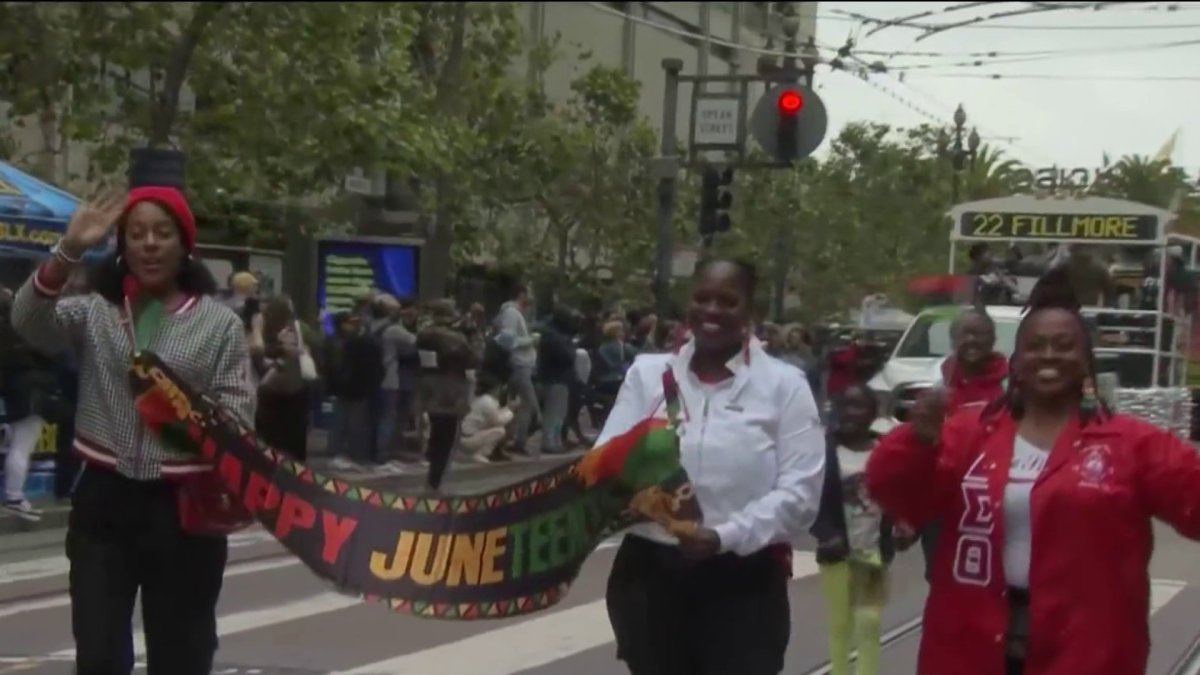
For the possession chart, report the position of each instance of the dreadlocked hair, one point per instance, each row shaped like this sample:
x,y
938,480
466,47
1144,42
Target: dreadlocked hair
x,y
1052,291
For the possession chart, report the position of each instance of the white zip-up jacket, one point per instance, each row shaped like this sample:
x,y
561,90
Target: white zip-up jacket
x,y
752,445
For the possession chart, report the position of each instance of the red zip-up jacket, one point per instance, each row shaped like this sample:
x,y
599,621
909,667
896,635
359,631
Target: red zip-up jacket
x,y
974,390
1091,511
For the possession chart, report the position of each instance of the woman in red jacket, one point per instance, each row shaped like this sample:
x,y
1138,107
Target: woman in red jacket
x,y
1046,470
972,376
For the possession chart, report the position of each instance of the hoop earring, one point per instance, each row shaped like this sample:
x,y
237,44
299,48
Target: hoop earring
x,y
1088,403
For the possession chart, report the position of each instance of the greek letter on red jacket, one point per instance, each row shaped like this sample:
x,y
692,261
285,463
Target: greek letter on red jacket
x,y
1091,510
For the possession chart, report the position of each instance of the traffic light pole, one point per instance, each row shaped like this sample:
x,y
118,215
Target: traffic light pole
x,y
667,176
722,122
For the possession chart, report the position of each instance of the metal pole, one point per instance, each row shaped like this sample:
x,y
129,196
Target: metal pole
x,y
790,25
736,30
1158,319
706,31
666,189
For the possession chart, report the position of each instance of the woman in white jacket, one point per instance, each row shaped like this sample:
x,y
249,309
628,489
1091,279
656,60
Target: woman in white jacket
x,y
716,603
486,425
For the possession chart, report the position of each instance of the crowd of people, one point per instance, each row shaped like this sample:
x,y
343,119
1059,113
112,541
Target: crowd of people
x,y
1026,490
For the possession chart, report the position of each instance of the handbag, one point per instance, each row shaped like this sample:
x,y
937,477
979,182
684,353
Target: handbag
x,y
205,508
308,367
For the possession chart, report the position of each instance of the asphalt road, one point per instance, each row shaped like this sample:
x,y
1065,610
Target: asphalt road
x,y
276,618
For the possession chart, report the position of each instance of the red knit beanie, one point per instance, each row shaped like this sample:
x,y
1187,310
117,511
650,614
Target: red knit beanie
x,y
176,204
170,199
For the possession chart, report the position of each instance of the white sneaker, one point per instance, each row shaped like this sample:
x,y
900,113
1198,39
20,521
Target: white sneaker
x,y
482,458
394,467
23,509
340,463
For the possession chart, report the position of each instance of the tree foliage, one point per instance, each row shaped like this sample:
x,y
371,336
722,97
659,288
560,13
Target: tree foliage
x,y
276,103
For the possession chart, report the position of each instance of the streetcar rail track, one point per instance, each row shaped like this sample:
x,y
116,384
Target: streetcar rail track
x,y
1189,662
895,636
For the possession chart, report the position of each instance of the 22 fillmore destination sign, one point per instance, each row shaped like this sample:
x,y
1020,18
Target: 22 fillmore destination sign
x,y
509,551
1058,226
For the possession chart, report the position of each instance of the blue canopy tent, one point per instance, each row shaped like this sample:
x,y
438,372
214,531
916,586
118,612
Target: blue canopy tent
x,y
33,214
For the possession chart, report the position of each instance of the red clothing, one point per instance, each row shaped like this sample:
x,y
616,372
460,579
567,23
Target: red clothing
x,y
1091,510
974,390
843,369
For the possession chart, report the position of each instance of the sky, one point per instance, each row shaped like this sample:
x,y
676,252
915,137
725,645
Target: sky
x,y
1096,102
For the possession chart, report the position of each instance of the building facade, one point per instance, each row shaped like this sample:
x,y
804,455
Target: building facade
x,y
637,36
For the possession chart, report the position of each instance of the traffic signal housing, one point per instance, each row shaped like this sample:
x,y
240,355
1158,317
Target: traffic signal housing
x,y
789,101
716,199
789,122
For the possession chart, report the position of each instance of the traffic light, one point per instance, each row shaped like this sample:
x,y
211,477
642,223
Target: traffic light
x,y
789,122
789,102
716,199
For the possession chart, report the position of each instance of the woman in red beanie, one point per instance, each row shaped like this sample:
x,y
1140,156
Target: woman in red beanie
x,y
134,522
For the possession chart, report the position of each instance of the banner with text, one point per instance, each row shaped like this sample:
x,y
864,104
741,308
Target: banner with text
x,y
510,551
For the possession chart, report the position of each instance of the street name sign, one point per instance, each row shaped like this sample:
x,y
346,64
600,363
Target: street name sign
x,y
716,122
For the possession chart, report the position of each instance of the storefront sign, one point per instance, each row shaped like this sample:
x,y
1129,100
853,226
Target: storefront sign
x,y
19,234
510,551
1056,178
1057,226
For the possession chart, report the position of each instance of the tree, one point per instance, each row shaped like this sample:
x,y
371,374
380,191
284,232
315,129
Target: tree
x,y
593,190
865,219
288,98
461,54
51,71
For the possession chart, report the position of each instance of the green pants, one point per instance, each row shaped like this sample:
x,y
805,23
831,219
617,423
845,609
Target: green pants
x,y
855,594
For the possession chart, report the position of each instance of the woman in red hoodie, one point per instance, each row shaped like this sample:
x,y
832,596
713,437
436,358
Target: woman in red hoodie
x,y
1048,498
972,376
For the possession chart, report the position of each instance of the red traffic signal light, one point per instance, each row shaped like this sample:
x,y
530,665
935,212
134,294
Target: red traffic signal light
x,y
790,102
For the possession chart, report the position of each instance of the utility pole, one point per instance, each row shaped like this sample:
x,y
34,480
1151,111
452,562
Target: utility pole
x,y
790,25
667,170
788,121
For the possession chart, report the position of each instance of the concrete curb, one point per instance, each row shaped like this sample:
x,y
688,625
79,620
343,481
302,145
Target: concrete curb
x,y
17,534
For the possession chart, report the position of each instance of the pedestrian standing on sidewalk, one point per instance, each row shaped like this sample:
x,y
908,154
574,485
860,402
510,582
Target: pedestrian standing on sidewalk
x,y
352,377
28,385
286,373
556,368
131,519
443,388
716,602
513,334
396,394
1048,500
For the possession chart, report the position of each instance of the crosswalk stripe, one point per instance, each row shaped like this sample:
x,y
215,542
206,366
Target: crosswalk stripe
x,y
531,643
1163,591
258,618
63,599
58,565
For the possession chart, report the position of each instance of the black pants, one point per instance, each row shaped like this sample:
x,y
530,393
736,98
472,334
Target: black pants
x,y
929,537
727,615
1017,637
281,421
443,431
124,535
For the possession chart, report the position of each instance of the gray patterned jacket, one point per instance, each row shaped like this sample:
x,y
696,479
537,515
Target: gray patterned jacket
x,y
202,340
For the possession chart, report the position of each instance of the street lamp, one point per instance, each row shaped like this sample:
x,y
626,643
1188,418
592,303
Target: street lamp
x,y
959,155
